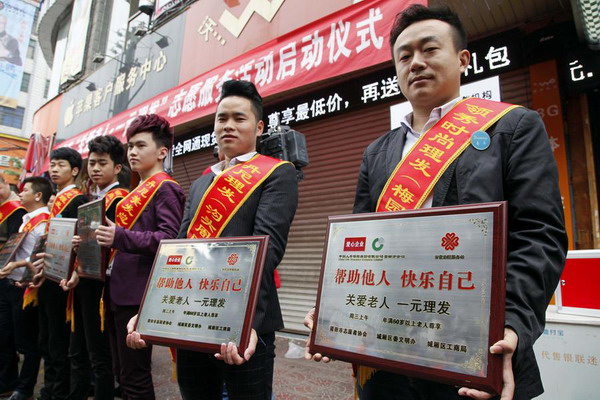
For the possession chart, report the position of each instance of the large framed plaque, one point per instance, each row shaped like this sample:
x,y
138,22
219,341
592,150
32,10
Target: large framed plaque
x,y
38,247
419,293
203,292
58,262
91,256
9,248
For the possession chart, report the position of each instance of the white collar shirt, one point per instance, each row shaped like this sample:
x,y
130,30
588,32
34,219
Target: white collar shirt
x,y
219,167
99,194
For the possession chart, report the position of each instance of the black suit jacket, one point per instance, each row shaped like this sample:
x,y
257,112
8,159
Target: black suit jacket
x,y
517,167
269,210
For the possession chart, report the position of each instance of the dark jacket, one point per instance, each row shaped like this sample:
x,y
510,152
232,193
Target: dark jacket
x,y
137,247
269,210
517,167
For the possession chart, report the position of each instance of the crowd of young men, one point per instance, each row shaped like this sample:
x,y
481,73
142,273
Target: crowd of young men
x,y
99,343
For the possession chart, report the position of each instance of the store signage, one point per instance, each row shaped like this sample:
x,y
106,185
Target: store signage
x,y
345,41
226,29
143,71
495,55
582,71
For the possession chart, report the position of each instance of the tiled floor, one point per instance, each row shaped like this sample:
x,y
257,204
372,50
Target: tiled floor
x,y
295,378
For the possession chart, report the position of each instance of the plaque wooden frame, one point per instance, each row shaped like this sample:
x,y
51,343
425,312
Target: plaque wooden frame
x,y
83,269
250,307
492,382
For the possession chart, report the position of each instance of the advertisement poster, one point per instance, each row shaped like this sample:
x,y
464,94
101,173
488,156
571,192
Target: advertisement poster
x,y
78,31
16,18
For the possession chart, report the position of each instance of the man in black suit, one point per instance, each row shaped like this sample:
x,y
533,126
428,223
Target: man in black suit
x,y
429,52
268,210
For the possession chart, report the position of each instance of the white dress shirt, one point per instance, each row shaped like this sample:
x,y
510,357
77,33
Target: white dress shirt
x,y
98,194
219,167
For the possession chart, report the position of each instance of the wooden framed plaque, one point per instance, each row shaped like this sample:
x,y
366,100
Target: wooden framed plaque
x,y
38,247
418,293
91,256
59,260
203,292
9,248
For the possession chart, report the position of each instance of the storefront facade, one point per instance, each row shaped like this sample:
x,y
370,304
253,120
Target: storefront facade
x,y
327,74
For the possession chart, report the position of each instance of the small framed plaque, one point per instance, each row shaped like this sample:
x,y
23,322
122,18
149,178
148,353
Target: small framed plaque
x,y
38,247
418,293
58,263
9,248
203,292
91,256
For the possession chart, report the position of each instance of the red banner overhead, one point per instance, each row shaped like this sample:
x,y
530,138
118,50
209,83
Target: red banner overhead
x,y
348,40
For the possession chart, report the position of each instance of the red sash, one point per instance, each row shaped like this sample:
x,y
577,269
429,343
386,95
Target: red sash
x,y
417,173
114,195
415,176
131,207
227,193
35,221
8,208
62,201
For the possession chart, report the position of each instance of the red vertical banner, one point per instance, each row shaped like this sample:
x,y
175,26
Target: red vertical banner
x,y
546,101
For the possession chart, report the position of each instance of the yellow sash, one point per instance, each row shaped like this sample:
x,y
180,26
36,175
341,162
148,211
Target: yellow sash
x,y
62,201
227,193
8,208
114,195
30,296
131,207
416,174
33,222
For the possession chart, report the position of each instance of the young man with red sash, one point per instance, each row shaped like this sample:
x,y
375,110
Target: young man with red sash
x,y
19,320
245,194
450,152
55,332
150,213
90,345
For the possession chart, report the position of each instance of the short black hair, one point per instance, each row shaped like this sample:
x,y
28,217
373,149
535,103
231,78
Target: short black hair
x,y
160,128
108,145
244,89
39,184
68,154
416,13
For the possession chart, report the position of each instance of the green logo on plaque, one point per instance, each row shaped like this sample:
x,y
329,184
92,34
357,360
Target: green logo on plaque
x,y
188,260
378,244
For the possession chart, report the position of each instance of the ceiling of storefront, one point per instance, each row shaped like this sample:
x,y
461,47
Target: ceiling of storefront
x,y
483,17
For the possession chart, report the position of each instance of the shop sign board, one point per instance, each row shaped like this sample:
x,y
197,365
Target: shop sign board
x,y
143,71
346,41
